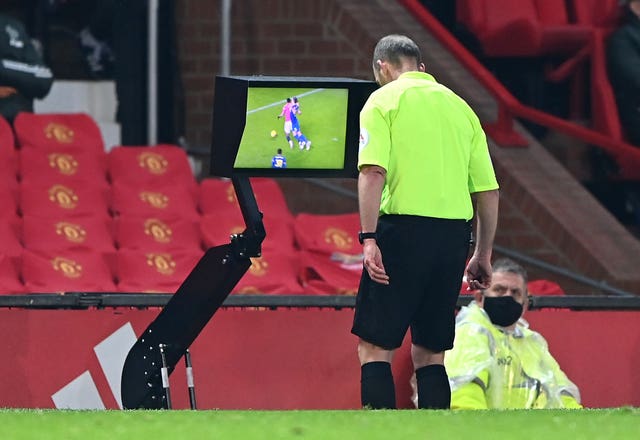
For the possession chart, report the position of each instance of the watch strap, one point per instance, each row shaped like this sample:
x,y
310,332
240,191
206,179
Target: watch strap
x,y
362,236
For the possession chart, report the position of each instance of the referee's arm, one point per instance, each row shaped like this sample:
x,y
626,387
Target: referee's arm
x,y
478,271
370,184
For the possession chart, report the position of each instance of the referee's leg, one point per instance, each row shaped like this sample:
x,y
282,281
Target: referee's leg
x,y
377,390
434,391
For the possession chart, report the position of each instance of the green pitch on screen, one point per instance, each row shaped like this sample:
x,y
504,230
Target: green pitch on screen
x,y
322,121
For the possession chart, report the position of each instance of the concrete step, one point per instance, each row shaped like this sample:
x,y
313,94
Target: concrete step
x,y
97,98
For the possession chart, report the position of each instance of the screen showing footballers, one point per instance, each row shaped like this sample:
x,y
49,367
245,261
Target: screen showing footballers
x,y
286,119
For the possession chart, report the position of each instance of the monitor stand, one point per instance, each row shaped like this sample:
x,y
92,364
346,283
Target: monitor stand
x,y
190,309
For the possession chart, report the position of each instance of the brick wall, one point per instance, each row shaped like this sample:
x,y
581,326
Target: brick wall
x,y
544,212
270,37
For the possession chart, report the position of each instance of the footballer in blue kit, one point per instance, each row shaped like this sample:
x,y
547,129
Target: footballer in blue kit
x,y
279,161
295,125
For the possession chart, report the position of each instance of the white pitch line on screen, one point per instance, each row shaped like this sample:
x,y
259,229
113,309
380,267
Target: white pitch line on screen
x,y
279,103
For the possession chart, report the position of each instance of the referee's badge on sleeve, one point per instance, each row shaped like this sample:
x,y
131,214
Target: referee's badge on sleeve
x,y
364,138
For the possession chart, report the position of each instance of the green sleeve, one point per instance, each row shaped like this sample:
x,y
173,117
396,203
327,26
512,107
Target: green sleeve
x,y
481,174
570,402
469,396
375,137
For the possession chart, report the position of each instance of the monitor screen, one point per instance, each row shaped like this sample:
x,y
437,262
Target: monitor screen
x,y
287,126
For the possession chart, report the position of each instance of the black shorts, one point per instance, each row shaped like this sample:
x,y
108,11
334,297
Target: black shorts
x,y
425,260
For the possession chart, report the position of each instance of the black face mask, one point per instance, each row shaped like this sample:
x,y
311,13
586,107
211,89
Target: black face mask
x,y
502,310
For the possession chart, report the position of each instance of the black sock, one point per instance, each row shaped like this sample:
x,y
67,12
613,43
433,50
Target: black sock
x,y
433,387
377,388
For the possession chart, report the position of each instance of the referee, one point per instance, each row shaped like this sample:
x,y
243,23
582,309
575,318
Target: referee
x,y
423,162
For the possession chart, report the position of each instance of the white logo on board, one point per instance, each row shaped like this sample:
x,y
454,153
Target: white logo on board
x,y
82,392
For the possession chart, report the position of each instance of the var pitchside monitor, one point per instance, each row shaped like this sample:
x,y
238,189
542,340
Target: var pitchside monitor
x,y
287,126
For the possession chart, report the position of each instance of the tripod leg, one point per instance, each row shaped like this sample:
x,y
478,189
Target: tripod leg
x,y
190,383
164,372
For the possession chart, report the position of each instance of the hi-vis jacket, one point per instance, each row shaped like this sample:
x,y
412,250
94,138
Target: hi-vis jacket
x,y
489,367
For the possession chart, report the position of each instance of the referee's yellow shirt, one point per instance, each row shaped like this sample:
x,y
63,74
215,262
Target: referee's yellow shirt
x,y
431,144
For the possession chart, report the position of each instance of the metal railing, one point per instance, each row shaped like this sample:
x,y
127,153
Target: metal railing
x,y
88,300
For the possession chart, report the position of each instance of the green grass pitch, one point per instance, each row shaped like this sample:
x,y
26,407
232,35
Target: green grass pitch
x,y
322,121
601,424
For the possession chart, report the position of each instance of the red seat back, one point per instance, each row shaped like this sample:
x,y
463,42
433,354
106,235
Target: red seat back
x,y
331,254
328,233
67,271
63,200
522,28
9,275
216,230
89,234
273,273
7,140
152,200
77,131
62,165
10,233
150,165
8,157
158,234
145,271
218,196
602,13
551,12
9,197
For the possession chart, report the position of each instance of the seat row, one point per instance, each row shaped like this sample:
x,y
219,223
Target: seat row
x,y
535,27
312,254
572,33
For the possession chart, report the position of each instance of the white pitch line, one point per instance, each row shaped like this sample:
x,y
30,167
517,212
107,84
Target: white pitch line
x,y
279,103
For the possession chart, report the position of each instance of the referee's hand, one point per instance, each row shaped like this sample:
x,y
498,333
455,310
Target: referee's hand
x,y
478,273
373,262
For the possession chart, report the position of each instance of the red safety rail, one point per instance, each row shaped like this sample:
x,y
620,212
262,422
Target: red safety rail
x,y
501,131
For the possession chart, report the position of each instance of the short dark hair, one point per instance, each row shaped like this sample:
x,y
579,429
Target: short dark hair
x,y
279,150
394,47
508,265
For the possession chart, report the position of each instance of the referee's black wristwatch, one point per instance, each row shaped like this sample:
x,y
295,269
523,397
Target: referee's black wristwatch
x,y
362,236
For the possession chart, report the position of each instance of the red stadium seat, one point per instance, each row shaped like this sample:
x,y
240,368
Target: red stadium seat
x,y
8,158
218,196
46,234
8,167
157,234
332,260
7,140
62,165
139,271
75,131
544,287
273,273
150,165
600,13
270,198
217,228
523,28
337,274
328,233
10,236
150,200
9,276
67,271
8,201
64,199
604,109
